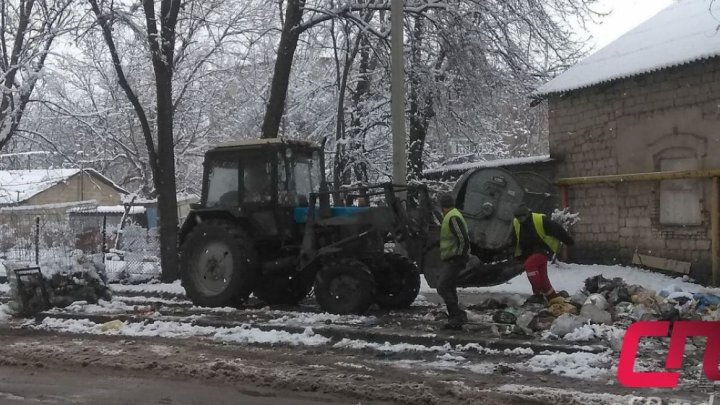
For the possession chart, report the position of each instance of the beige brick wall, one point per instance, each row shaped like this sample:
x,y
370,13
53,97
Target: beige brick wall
x,y
77,189
621,128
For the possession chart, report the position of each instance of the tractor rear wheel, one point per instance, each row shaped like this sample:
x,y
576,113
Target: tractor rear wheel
x,y
218,264
344,286
282,289
398,281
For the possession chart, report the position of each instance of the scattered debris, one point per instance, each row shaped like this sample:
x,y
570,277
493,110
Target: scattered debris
x,y
56,283
567,323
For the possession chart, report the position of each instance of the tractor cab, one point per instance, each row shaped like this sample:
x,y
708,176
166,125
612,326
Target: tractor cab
x,y
262,181
265,171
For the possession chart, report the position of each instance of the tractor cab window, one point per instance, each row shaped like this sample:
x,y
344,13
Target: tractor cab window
x,y
257,181
305,176
223,184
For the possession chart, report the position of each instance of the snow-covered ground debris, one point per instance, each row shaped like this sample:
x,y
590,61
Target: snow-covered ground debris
x,y
577,365
305,318
242,334
4,313
174,288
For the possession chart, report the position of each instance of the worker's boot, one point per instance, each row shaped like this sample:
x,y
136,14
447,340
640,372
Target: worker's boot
x,y
536,299
456,318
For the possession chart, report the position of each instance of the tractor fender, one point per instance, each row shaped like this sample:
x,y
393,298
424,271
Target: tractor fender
x,y
198,216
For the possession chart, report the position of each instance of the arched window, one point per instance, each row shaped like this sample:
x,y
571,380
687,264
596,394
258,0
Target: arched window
x,y
680,201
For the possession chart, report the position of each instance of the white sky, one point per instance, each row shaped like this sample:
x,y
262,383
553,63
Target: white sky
x,y
625,15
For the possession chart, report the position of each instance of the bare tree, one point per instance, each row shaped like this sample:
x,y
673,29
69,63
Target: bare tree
x,y
29,28
161,42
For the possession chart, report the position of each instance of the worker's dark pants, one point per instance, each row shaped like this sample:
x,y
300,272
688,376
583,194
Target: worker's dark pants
x,y
447,284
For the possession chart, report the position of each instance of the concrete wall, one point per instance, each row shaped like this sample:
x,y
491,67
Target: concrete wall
x,y
80,187
633,126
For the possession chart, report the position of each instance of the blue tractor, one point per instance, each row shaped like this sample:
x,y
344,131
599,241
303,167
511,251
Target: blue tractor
x,y
266,226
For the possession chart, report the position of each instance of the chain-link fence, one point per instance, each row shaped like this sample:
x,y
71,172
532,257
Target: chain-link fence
x,y
130,252
134,254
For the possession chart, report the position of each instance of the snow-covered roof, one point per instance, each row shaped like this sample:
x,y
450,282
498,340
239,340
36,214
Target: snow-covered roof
x,y
108,209
72,205
264,141
490,163
19,185
682,33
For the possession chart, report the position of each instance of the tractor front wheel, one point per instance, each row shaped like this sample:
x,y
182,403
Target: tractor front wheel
x,y
398,281
218,264
344,286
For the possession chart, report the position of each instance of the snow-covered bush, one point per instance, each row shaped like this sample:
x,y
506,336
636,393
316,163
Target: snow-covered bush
x,y
56,234
565,218
8,237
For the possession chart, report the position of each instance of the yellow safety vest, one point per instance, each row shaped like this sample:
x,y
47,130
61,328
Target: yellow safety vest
x,y
551,242
449,246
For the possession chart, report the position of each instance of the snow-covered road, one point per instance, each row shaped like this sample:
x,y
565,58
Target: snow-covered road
x,y
409,341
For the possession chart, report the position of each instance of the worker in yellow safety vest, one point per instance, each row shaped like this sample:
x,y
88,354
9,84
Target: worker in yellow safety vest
x,y
536,239
454,253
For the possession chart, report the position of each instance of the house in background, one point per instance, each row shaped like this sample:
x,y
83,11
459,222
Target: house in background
x,y
49,193
54,186
635,132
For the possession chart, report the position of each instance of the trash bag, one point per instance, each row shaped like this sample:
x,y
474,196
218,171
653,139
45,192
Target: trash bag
x,y
567,323
598,300
558,306
600,284
592,284
623,310
578,299
644,296
668,312
665,292
505,317
706,300
524,320
619,294
595,314
542,321
642,312
113,325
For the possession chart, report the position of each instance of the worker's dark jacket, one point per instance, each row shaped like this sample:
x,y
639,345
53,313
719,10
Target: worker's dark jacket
x,y
531,238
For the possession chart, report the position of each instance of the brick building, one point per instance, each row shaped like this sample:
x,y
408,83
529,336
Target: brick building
x,y
635,133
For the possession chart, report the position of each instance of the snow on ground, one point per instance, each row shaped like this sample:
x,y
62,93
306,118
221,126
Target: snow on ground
x,y
171,288
579,365
571,278
4,288
241,334
582,365
102,307
306,318
589,332
139,299
388,347
4,313
558,394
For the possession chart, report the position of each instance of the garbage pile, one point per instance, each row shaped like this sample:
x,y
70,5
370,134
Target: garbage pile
x,y
604,301
56,283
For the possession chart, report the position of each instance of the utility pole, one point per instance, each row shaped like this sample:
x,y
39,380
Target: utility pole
x,y
398,94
